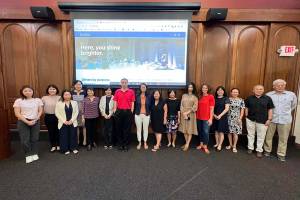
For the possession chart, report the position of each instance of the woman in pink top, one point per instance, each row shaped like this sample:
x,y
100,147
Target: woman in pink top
x,y
28,111
51,121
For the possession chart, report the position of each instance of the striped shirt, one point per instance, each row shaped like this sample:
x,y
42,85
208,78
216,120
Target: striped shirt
x,y
91,108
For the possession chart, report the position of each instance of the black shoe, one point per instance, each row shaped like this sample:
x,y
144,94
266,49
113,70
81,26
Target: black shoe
x,y
120,148
89,147
281,158
259,154
94,145
125,148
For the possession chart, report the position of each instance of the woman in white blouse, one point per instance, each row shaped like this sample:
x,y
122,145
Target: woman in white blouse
x,y
106,109
66,111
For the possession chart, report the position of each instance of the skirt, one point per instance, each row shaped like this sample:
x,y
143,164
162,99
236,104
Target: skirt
x,y
172,124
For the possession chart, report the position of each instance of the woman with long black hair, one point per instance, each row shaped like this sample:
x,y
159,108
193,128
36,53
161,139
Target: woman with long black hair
x,y
188,121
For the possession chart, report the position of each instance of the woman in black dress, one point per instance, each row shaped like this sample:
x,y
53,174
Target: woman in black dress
x,y
158,117
220,122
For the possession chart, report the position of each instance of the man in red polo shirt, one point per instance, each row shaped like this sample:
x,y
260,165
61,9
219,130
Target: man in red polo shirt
x,y
123,108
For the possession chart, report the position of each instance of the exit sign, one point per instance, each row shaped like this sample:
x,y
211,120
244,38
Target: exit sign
x,y
287,50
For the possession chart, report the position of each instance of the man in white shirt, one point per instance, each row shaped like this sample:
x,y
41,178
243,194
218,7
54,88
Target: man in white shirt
x,y
285,102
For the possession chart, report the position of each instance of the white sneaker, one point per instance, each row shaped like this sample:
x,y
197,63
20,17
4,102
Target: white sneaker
x,y
67,152
57,148
52,149
29,159
35,157
75,151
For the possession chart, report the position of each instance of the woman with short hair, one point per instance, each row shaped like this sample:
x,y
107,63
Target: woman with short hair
x,y
51,121
220,121
235,116
66,111
78,95
90,115
173,117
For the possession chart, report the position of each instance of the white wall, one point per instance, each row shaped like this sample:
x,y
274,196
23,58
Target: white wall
x,y
297,121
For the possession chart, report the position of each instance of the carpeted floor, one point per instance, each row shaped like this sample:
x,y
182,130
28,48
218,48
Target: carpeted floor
x,y
167,174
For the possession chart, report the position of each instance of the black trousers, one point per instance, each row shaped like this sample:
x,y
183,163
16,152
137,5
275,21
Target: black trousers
x,y
108,131
68,138
91,127
51,124
123,119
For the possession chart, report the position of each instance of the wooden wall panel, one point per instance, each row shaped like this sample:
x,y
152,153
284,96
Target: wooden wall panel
x,y
17,65
199,57
49,56
249,57
193,46
286,68
216,55
5,149
17,60
2,87
68,53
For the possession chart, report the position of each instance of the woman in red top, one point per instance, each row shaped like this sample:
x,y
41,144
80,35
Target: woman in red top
x,y
205,114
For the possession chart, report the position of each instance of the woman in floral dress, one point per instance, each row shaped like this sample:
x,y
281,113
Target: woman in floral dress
x,y
235,115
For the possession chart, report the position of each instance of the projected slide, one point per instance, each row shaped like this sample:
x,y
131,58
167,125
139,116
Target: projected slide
x,y
150,51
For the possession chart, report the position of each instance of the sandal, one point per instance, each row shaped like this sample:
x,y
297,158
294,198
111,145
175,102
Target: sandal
x,y
145,146
169,145
185,148
199,147
228,147
155,149
234,150
206,150
138,147
216,145
219,149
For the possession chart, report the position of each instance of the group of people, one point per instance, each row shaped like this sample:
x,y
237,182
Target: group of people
x,y
197,113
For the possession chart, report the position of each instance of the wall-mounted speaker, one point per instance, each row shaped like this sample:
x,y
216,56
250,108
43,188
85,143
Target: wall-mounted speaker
x,y
42,13
215,14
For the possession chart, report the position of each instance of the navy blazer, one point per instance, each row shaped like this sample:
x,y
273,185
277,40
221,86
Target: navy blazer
x,y
137,105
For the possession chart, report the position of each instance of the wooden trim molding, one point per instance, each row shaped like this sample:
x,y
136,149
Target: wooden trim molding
x,y
234,15
255,15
